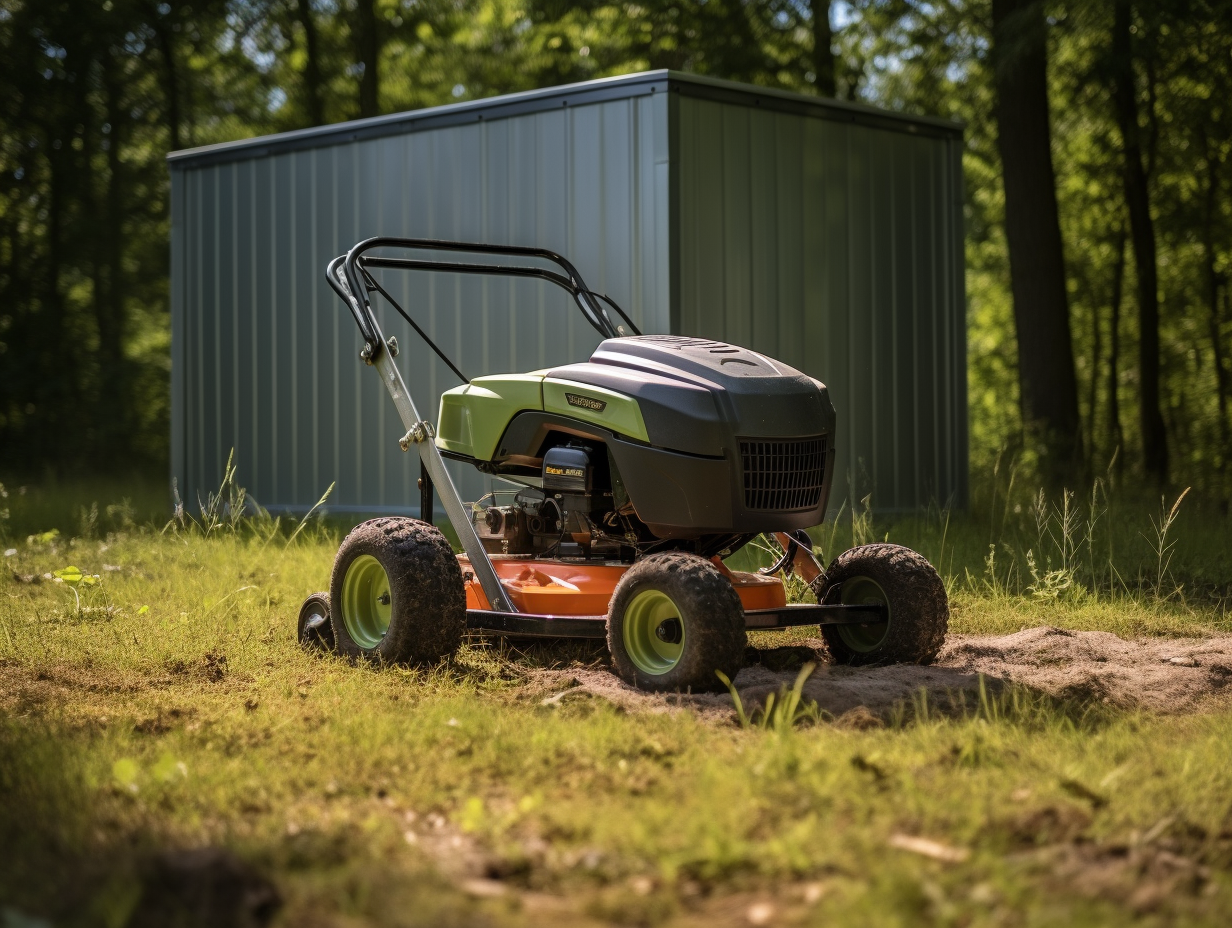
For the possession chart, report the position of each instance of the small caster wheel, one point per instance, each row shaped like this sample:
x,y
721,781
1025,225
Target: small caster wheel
x,y
315,631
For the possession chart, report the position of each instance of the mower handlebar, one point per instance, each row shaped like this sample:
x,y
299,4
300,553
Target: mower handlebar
x,y
348,275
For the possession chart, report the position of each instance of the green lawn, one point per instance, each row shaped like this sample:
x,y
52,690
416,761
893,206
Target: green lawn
x,y
172,709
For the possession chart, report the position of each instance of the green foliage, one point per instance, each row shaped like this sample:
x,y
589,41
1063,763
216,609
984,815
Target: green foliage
x,y
92,95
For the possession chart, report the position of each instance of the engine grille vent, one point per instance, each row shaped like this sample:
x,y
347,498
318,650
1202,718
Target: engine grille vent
x,y
783,475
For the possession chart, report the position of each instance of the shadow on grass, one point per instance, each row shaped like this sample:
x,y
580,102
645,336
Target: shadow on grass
x,y
81,853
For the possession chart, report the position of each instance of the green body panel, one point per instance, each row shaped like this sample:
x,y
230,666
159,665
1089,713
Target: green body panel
x,y
613,411
474,416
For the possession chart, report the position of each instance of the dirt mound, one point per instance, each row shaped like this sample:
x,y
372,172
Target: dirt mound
x,y
1159,674
1163,674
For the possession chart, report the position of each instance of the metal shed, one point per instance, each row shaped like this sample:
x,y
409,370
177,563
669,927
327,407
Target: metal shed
x,y
823,233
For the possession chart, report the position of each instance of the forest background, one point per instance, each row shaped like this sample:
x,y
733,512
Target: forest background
x,y
1099,307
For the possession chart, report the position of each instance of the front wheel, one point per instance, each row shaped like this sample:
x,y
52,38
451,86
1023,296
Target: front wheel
x,y
672,622
911,594
396,593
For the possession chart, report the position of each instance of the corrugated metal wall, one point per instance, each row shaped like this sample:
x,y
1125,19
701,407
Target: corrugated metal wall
x,y
823,233
265,355
835,246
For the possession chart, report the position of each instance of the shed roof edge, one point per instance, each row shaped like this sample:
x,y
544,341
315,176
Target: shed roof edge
x,y
625,86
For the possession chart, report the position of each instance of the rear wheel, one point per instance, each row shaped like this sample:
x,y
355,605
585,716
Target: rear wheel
x,y
673,621
397,593
905,585
314,631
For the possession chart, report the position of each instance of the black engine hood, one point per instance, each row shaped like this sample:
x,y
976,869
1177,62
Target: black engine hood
x,y
698,396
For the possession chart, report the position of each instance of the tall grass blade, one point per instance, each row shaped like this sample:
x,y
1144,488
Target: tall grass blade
x,y
740,713
304,521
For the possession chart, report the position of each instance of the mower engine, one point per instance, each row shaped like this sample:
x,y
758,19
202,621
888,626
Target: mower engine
x,y
563,520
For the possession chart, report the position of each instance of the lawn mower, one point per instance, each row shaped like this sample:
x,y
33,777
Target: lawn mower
x,y
632,476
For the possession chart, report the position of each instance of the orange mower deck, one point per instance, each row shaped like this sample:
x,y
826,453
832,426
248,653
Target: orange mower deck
x,y
561,588
569,599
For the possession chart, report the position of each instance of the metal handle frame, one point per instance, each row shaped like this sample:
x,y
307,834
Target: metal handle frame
x,y
352,284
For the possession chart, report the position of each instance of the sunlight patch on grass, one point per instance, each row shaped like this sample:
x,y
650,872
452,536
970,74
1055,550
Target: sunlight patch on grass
x,y
174,709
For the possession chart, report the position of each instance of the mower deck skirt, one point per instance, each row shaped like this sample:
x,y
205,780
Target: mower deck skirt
x,y
529,625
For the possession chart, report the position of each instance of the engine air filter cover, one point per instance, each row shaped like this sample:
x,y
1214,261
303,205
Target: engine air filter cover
x,y
567,469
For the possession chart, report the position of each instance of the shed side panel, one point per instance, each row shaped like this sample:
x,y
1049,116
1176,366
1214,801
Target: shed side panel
x,y
178,355
841,178
860,224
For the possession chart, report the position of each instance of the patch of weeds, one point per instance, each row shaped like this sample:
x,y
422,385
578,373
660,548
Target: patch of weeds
x,y
782,710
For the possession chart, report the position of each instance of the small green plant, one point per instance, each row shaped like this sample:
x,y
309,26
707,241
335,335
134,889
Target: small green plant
x,y
75,580
1160,545
1047,584
782,710
1095,512
225,508
1066,520
87,521
1041,515
829,532
862,522
122,515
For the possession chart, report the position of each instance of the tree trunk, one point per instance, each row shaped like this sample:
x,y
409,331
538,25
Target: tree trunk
x,y
1048,383
1142,236
1097,354
823,50
170,79
368,48
1227,377
109,304
1215,285
313,83
59,355
1116,435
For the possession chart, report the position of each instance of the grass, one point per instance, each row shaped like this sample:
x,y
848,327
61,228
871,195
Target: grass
x,y
167,706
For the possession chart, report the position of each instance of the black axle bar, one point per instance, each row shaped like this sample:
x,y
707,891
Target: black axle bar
x,y
528,625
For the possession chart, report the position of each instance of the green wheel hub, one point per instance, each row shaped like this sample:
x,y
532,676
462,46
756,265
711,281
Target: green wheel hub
x,y
653,632
863,591
366,601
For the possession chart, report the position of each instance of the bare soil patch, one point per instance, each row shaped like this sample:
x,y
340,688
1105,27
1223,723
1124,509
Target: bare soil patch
x,y
1167,675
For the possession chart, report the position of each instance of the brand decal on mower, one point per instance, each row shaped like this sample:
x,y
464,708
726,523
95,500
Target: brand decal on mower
x,y
564,471
585,402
